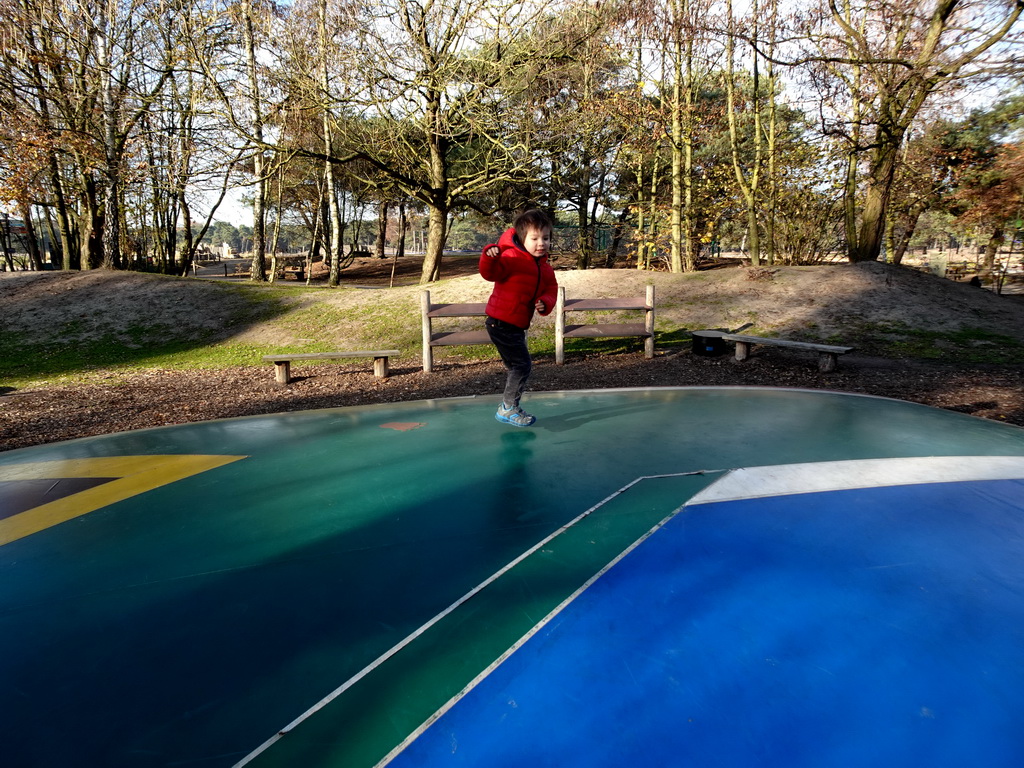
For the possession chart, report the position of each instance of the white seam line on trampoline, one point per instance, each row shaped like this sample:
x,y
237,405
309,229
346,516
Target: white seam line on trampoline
x,y
542,623
462,601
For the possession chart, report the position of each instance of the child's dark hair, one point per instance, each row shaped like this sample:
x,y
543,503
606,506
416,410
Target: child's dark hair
x,y
531,219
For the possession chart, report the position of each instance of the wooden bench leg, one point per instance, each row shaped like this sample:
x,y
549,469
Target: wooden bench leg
x,y
827,362
380,367
282,372
742,350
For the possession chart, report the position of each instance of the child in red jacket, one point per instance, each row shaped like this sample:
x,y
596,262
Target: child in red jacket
x,y
524,282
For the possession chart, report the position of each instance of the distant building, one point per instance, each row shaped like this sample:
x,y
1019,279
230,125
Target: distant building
x,y
11,225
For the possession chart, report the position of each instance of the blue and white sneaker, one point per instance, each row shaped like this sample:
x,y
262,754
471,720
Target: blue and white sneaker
x,y
514,416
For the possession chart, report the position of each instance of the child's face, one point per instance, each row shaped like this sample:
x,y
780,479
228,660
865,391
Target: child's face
x,y
537,241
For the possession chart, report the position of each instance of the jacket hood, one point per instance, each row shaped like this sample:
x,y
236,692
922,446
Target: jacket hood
x,y
508,240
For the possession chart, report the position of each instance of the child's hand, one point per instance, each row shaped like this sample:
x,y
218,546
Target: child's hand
x,y
540,306
492,252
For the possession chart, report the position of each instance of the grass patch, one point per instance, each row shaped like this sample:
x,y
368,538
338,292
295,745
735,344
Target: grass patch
x,y
679,337
601,346
84,345
967,345
21,365
382,326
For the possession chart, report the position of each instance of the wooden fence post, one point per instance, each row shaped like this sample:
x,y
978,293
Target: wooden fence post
x,y
428,353
560,327
649,323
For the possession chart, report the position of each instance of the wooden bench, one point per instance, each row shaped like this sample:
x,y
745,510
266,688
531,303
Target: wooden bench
x,y
431,338
644,330
828,355
282,363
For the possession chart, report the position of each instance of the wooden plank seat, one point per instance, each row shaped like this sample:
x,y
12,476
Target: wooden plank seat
x,y
605,331
282,362
601,330
457,338
828,354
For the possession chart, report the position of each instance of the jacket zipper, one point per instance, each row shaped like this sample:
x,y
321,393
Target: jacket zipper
x,y
536,289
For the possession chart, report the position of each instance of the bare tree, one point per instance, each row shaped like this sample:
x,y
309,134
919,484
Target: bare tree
x,y
83,75
681,62
580,129
434,85
875,65
251,16
755,151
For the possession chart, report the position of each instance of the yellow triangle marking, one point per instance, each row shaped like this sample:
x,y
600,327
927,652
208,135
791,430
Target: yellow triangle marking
x,y
135,475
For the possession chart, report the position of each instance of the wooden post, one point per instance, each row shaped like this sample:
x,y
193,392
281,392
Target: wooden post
x,y
380,367
742,350
827,362
282,371
560,327
428,354
649,323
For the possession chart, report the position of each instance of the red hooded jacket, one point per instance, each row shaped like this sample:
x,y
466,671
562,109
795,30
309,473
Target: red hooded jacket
x,y
519,280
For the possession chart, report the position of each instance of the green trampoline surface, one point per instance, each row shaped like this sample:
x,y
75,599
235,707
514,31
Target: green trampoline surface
x,y
307,589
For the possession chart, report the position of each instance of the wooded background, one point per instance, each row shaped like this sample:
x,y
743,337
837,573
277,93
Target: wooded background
x,y
654,131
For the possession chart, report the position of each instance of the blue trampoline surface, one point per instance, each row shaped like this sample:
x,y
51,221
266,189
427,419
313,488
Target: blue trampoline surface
x,y
880,626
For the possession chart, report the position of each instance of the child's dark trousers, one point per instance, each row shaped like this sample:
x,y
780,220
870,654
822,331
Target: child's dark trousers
x,y
511,344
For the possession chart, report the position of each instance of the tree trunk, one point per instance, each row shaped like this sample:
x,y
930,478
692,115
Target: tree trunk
x,y
438,205
325,228
188,252
903,242
68,251
437,222
400,248
112,202
5,241
275,237
652,218
382,229
613,247
336,243
314,245
57,188
259,233
748,186
55,241
112,227
988,262
30,238
678,193
850,186
90,228
171,236
689,241
868,243
259,214
772,142
584,236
